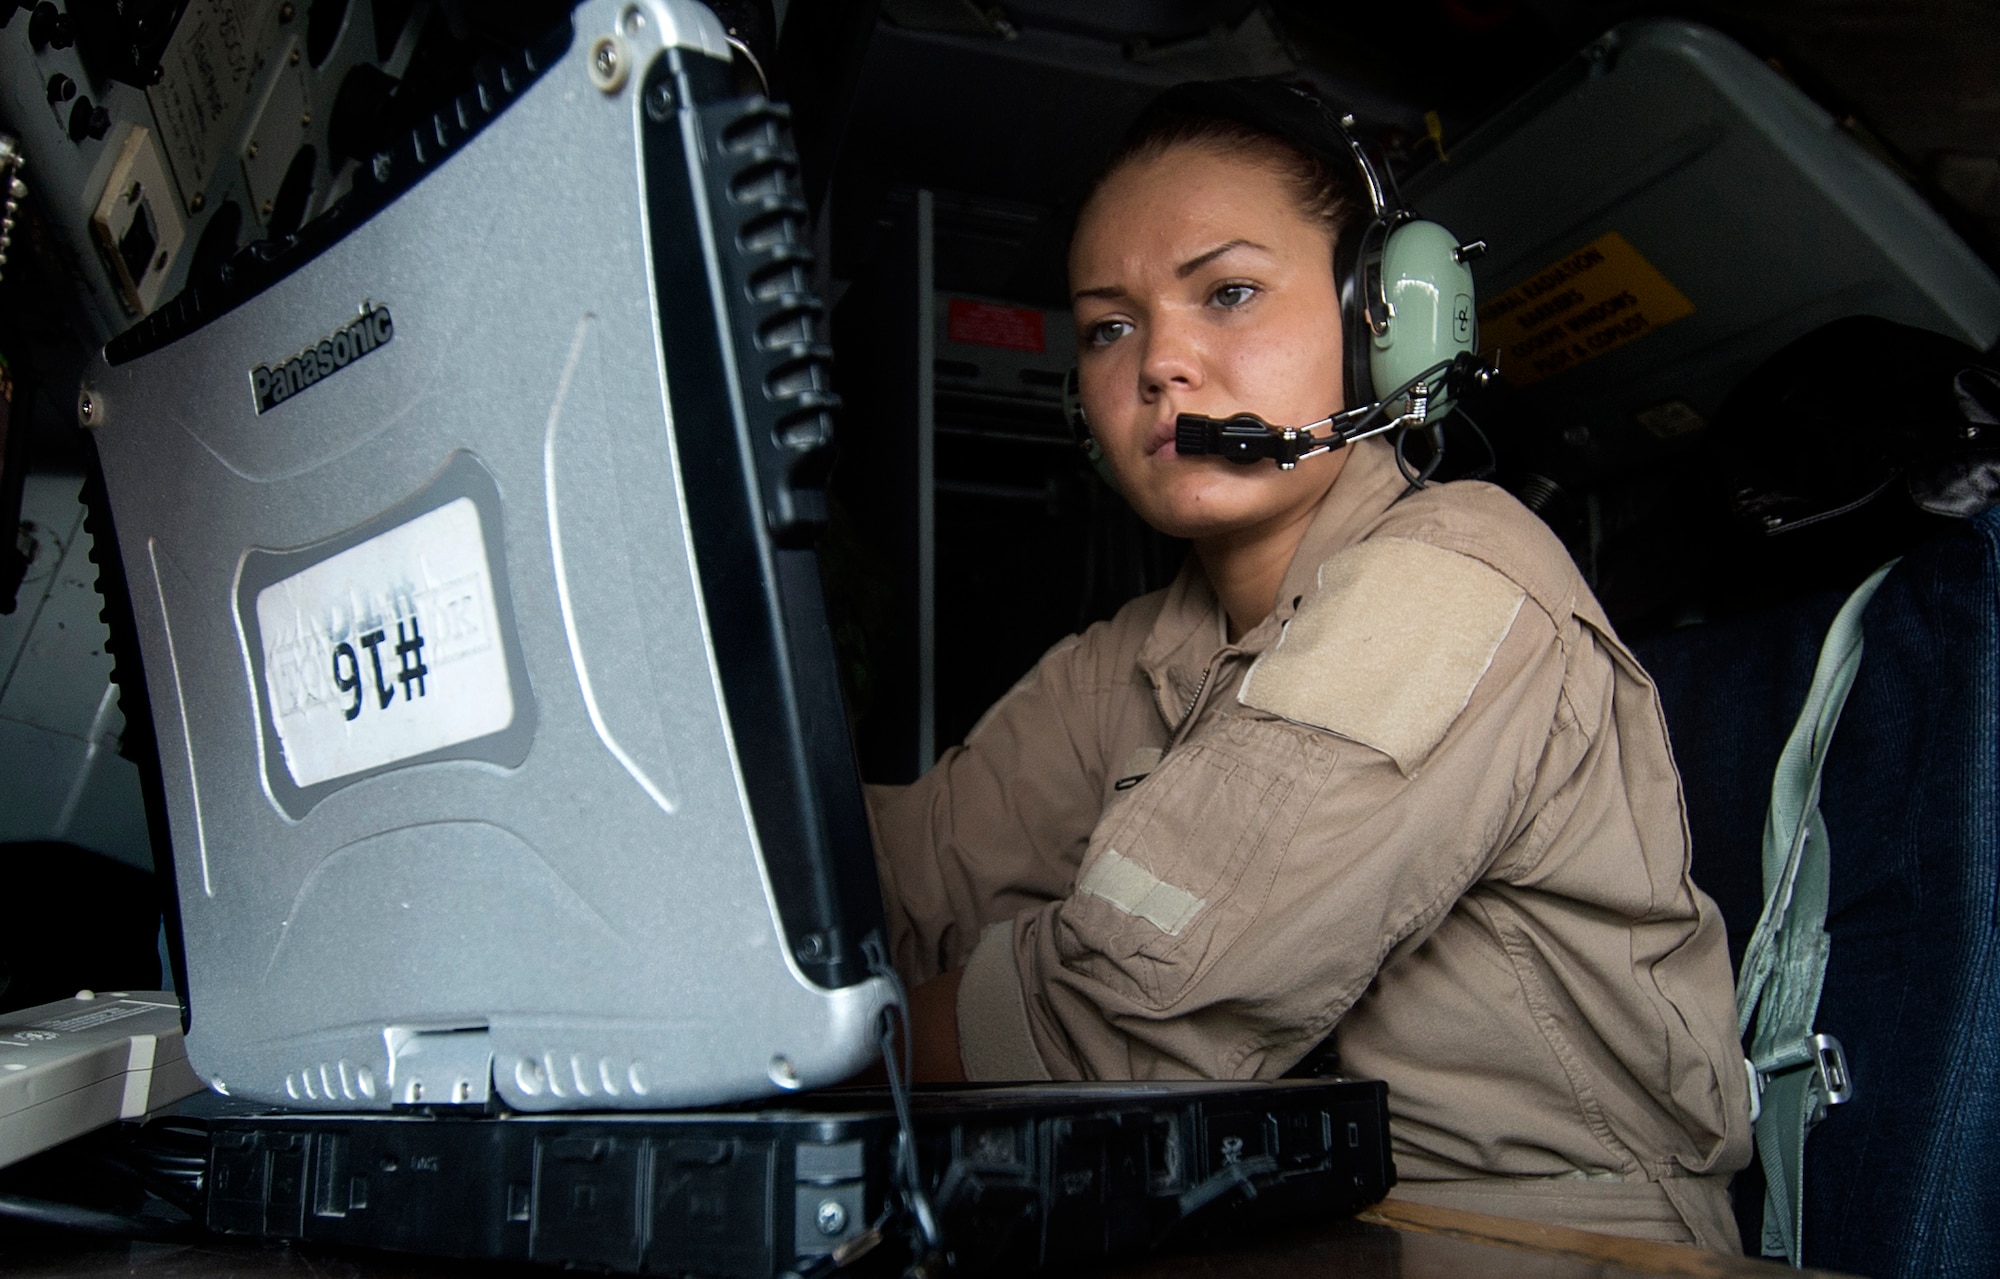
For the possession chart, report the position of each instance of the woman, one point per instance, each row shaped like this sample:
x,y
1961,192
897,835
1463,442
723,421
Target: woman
x,y
1375,765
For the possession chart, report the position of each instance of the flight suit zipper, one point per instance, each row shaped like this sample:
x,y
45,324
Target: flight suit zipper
x,y
1194,698
1199,696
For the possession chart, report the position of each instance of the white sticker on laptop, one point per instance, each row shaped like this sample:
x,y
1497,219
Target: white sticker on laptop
x,y
387,651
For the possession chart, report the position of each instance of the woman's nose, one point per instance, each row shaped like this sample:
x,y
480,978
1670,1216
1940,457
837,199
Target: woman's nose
x,y
1172,359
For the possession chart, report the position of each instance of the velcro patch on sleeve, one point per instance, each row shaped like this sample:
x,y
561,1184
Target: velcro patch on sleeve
x,y
1390,647
1138,891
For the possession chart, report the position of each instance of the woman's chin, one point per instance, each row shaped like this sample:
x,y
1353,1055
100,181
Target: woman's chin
x,y
1211,497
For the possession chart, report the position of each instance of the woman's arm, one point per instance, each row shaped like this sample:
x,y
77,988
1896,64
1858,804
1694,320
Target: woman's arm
x,y
1238,903
1000,823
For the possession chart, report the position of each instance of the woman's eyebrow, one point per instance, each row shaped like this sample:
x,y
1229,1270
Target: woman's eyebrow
x,y
1196,263
1181,272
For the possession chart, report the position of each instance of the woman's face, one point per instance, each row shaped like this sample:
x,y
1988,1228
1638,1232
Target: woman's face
x,y
1199,286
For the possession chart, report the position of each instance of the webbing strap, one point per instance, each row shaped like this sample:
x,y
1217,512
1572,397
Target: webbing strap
x,y
1785,963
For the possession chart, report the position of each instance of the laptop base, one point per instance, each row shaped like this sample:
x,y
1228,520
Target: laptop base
x,y
1021,1177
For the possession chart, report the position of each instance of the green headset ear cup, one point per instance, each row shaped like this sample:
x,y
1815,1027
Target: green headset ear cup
x,y
1079,429
1430,295
1072,409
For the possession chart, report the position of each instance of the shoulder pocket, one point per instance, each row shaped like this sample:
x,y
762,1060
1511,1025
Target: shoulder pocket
x,y
1389,648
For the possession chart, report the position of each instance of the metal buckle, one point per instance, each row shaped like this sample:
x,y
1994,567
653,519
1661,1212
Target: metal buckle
x,y
1836,1085
1822,1052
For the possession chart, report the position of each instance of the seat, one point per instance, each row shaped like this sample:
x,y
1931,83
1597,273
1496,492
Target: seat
x,y
1904,1179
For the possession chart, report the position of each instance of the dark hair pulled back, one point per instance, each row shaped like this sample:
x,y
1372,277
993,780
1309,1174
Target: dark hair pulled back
x,y
1263,118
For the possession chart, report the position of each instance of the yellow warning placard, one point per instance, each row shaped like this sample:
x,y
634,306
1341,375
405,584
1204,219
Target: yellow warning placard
x,y
1587,303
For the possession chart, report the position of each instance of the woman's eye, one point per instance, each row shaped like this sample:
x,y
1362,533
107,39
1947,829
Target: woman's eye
x,y
1105,332
1233,295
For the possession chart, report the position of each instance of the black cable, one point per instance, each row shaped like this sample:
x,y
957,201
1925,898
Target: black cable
x,y
1364,423
183,1189
1437,453
1492,466
899,1095
1418,479
1411,481
62,1216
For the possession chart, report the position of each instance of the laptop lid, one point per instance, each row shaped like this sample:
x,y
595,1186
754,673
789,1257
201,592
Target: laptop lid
x,y
468,535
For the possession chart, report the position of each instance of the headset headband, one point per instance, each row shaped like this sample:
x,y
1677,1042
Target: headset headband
x,y
1288,113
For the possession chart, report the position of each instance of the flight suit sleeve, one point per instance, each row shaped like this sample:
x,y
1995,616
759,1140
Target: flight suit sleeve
x,y
1230,912
999,824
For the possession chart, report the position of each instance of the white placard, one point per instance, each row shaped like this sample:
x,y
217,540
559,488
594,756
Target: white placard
x,y
205,74
386,651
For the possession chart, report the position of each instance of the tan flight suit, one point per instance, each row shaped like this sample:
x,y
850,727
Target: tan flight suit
x,y
1428,804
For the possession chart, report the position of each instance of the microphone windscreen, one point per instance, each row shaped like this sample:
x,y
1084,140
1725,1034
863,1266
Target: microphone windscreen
x,y
1193,434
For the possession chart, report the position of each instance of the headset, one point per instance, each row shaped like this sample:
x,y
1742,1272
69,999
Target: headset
x,y
1408,322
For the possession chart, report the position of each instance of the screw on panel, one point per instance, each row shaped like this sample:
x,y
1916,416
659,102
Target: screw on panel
x,y
89,408
660,102
609,63
87,120
286,12
195,205
634,20
831,1217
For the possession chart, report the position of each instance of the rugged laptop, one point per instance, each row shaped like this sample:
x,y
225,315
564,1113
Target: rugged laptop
x,y
468,540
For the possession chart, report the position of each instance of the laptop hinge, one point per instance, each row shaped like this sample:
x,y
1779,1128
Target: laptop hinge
x,y
439,1067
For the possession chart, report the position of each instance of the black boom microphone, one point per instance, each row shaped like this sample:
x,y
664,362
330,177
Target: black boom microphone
x,y
1247,438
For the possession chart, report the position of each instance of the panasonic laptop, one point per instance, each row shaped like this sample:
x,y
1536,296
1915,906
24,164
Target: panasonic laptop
x,y
468,538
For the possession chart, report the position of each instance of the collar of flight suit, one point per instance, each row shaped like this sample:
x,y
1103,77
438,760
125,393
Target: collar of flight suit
x,y
1191,633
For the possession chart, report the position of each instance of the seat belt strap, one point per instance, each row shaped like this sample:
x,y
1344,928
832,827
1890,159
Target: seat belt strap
x,y
1799,1073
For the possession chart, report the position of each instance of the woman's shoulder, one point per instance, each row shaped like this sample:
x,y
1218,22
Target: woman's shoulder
x,y
1486,523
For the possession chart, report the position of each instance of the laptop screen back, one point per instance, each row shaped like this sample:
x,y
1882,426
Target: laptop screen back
x,y
469,544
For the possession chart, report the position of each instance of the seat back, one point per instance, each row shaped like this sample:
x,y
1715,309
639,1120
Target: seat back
x,y
1904,1179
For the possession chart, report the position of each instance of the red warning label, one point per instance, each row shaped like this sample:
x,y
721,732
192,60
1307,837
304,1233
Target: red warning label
x,y
1014,328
